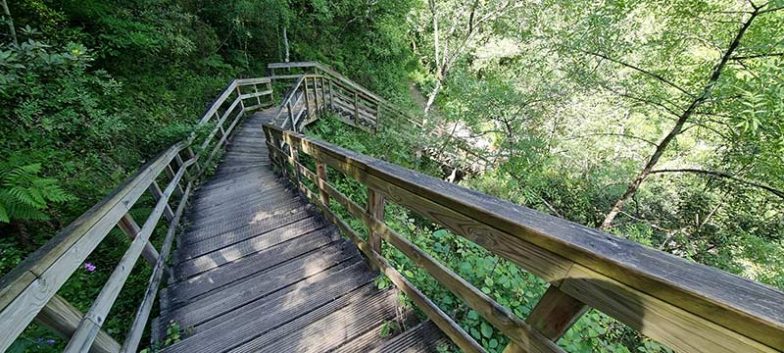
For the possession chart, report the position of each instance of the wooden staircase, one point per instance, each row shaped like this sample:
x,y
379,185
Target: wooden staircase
x,y
259,270
264,262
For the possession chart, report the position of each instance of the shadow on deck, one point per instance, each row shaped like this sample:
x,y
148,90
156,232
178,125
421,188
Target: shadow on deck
x,y
259,270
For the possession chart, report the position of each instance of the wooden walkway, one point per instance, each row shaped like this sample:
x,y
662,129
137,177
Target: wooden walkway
x,y
259,270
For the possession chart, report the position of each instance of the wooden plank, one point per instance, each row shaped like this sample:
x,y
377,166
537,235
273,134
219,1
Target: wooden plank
x,y
30,285
321,172
664,322
375,208
91,323
131,229
63,318
256,94
136,331
555,312
433,312
157,194
496,314
744,306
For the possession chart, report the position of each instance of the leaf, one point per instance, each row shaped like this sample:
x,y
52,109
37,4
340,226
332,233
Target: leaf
x,y
487,331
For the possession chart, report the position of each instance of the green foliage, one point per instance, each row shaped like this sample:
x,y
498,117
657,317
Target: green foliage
x,y
24,194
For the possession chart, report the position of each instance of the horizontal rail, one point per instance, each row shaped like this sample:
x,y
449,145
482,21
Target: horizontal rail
x,y
346,83
687,306
27,289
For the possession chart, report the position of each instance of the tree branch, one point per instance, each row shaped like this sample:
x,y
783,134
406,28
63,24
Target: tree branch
x,y
639,69
724,175
754,56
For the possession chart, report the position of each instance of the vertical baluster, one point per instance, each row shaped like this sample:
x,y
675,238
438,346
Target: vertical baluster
x,y
256,90
356,108
239,94
375,207
321,172
331,95
291,114
170,173
131,229
315,96
307,99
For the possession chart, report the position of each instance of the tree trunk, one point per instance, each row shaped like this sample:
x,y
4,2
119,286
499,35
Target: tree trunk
x,y
286,44
677,129
431,98
11,27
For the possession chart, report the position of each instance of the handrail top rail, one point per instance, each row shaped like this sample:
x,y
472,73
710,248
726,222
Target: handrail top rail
x,y
16,280
713,294
343,79
85,232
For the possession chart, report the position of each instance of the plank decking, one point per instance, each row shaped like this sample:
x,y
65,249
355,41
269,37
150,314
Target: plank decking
x,y
259,270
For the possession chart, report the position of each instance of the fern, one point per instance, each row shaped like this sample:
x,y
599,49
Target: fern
x,y
25,195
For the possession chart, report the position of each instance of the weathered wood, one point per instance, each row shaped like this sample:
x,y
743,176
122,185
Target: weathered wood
x,y
555,313
321,171
29,286
63,318
157,194
375,207
91,323
128,226
136,331
496,314
540,242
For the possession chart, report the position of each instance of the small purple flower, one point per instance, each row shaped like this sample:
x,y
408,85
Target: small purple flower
x,y
89,266
45,341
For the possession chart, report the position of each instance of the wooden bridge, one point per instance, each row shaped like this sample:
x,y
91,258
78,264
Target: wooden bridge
x,y
264,263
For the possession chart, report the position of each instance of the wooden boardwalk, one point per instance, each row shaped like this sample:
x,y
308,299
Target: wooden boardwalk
x,y
259,270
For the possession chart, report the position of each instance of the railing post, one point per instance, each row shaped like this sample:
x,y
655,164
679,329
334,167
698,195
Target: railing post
x,y
256,90
321,172
192,155
294,161
375,207
307,99
63,318
291,114
170,173
131,229
157,194
356,108
315,95
239,96
552,316
331,94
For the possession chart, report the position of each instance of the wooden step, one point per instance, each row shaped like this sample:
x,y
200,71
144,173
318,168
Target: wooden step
x,y
423,338
328,326
247,285
199,281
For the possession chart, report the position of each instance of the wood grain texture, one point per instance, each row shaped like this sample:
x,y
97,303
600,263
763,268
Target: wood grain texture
x,y
29,286
739,305
63,318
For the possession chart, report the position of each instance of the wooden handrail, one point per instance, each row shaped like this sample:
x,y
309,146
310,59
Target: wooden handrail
x,y
687,306
338,78
28,288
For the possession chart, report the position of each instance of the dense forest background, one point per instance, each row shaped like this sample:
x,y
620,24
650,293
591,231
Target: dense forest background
x,y
657,121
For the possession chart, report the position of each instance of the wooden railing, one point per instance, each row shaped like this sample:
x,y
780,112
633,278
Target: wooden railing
x,y
686,306
28,292
344,95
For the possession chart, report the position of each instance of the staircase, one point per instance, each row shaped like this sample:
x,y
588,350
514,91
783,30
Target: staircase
x,y
263,262
259,270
